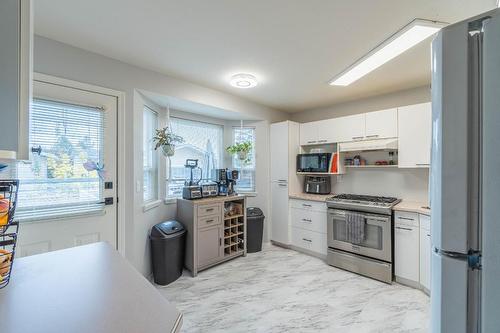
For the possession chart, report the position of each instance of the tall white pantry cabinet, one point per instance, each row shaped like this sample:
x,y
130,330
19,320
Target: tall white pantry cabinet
x,y
284,141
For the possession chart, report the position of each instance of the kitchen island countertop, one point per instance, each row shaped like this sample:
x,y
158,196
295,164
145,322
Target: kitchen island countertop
x,y
89,288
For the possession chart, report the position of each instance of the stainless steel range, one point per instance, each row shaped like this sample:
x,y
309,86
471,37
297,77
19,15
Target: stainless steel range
x,y
360,234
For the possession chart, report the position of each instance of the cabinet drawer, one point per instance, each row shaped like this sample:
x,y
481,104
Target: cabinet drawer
x,y
308,205
309,220
209,221
406,218
206,210
309,240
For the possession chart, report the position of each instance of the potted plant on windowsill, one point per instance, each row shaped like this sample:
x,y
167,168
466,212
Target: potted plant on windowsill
x,y
167,141
241,150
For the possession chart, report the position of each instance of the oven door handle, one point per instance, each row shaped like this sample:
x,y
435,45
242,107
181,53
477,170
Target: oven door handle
x,y
367,217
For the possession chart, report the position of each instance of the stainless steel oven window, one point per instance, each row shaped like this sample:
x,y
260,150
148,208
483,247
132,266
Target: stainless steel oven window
x,y
378,235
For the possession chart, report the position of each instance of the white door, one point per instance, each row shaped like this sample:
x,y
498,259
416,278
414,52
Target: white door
x,y
279,152
414,139
382,124
61,203
280,225
425,252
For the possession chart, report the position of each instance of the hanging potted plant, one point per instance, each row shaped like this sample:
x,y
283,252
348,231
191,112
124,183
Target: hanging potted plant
x,y
241,150
167,141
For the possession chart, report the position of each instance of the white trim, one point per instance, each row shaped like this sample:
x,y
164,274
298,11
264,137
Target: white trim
x,y
121,158
159,123
25,77
248,194
150,205
170,201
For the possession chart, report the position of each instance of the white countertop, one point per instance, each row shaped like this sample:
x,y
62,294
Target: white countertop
x,y
403,206
89,288
310,197
412,207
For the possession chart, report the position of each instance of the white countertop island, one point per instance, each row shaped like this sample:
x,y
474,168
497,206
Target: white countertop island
x,y
89,288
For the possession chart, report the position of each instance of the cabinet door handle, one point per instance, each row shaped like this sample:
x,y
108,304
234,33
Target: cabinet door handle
x,y
357,137
306,205
322,140
282,185
423,164
401,228
311,141
220,241
428,235
208,209
406,218
372,136
307,220
209,221
307,240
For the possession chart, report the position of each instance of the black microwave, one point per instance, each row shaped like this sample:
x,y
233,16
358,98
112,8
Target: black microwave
x,y
318,162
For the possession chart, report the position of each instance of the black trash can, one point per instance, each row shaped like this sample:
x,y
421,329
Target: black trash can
x,y
255,229
167,251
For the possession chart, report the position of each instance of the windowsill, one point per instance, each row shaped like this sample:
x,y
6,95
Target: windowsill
x,y
248,194
150,205
170,201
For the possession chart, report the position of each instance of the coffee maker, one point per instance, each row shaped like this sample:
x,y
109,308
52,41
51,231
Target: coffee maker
x,y
192,189
226,180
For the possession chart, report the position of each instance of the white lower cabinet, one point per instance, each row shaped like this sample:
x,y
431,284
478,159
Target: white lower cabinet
x,y
309,240
412,249
425,251
309,220
406,247
309,225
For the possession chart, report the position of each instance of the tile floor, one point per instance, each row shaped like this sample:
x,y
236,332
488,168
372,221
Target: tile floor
x,y
280,290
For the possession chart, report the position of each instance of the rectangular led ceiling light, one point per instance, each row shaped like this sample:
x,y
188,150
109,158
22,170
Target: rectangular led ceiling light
x,y
412,34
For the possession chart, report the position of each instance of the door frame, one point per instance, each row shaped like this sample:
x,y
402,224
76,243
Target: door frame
x,y
120,158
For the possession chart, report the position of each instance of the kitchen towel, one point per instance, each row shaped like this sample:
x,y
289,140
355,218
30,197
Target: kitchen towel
x,y
355,227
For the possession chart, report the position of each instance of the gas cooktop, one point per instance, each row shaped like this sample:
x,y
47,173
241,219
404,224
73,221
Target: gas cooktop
x,y
366,203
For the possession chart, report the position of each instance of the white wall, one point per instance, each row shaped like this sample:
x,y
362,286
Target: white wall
x,y
406,184
409,184
58,59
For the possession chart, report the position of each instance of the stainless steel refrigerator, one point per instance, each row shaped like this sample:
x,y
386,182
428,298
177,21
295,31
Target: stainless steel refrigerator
x,y
465,176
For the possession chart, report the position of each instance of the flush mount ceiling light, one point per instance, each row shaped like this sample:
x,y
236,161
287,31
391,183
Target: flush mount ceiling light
x,y
412,34
243,81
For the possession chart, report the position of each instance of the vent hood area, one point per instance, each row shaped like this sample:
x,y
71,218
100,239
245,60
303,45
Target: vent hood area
x,y
369,145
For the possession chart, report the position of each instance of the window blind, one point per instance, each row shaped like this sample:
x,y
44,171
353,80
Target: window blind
x,y
246,183
202,141
64,136
150,156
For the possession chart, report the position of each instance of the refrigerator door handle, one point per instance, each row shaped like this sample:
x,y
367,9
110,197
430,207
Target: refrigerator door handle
x,y
473,258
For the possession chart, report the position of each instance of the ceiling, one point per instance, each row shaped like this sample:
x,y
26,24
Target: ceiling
x,y
293,47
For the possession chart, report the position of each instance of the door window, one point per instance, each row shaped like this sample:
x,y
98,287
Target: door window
x,y
66,161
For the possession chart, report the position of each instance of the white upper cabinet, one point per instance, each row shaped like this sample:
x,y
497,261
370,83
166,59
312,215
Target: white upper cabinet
x,y
15,73
279,152
414,132
351,128
309,133
381,124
